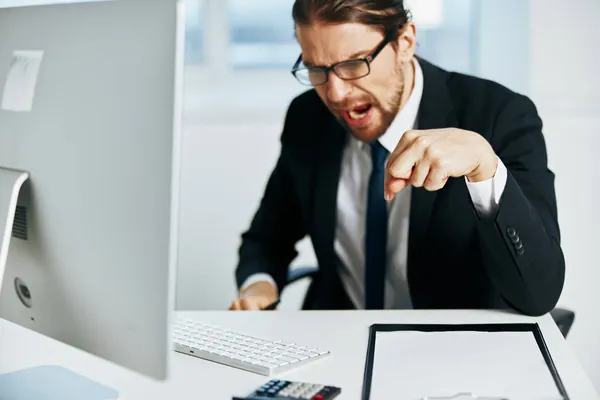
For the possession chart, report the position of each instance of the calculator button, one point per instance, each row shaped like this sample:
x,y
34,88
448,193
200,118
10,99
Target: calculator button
x,y
311,390
318,397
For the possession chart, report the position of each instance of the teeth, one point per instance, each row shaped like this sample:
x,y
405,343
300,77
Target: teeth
x,y
354,115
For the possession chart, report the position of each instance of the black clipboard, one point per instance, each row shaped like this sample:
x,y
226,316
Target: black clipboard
x,y
514,327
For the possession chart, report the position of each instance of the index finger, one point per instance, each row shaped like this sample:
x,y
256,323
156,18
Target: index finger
x,y
400,170
394,184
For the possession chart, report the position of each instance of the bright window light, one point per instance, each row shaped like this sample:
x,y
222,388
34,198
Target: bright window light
x,y
427,14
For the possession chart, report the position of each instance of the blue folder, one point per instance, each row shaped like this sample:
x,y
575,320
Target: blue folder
x,y
52,383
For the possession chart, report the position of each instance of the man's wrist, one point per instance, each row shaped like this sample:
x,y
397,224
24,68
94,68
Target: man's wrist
x,y
486,168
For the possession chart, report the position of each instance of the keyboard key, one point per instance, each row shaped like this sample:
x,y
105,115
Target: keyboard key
x,y
288,359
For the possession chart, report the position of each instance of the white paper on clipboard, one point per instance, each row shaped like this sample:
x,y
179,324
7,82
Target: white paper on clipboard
x,y
442,364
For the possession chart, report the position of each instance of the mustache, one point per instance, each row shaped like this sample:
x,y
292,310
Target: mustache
x,y
350,104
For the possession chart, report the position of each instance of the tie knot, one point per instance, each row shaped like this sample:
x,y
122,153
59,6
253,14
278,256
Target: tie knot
x,y
378,155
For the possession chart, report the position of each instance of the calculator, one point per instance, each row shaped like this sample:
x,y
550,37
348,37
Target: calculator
x,y
277,389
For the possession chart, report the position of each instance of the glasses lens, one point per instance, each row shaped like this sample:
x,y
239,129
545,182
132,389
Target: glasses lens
x,y
311,76
352,69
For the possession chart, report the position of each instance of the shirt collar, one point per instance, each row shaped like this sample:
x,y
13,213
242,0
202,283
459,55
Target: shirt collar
x,y
406,119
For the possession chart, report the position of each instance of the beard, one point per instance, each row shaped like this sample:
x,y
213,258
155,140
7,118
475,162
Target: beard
x,y
387,109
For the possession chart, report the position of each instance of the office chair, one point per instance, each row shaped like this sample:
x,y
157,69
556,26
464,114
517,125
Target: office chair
x,y
562,317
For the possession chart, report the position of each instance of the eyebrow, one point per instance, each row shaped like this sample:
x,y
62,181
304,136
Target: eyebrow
x,y
355,55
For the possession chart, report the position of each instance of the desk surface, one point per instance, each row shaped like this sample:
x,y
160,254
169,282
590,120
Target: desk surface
x,y
345,333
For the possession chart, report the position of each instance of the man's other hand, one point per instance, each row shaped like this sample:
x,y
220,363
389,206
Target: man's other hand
x,y
255,297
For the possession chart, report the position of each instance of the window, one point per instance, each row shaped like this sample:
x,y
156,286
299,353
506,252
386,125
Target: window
x,y
194,24
445,32
261,34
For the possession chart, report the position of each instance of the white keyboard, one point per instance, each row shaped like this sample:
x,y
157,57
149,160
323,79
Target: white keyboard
x,y
238,350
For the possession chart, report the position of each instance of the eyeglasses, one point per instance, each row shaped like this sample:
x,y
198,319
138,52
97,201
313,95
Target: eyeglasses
x,y
347,70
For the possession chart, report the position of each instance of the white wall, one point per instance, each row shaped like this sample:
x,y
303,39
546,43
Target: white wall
x,y
565,62
225,168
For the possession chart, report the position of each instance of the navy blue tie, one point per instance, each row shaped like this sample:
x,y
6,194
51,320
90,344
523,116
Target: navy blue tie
x,y
376,231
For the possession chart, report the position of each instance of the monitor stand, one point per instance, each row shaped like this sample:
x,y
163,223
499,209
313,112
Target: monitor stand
x,y
42,382
11,182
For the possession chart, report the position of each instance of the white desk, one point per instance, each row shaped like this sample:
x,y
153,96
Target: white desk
x,y
344,333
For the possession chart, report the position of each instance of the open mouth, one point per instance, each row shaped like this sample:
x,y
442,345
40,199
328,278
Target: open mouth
x,y
359,112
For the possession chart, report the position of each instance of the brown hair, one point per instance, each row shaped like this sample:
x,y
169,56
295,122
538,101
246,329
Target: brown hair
x,y
385,15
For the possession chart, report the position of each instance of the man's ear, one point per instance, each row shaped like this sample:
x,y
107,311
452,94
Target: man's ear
x,y
406,43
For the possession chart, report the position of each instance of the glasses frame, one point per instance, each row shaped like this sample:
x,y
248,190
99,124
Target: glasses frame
x,y
391,35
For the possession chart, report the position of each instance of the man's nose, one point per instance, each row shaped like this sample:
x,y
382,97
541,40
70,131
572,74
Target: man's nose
x,y
337,89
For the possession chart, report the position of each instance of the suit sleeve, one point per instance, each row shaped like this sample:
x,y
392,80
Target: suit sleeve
x,y
521,241
268,246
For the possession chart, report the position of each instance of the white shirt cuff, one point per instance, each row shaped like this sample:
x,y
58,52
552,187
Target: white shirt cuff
x,y
260,277
486,194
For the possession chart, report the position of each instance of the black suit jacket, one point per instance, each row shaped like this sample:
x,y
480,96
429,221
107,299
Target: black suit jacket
x,y
456,259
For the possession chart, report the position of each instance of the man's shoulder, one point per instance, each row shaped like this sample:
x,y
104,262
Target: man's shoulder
x,y
476,95
469,88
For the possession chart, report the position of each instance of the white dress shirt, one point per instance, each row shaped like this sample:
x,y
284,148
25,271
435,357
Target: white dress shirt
x,y
351,210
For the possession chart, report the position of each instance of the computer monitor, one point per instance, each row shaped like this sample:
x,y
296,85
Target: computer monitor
x,y
90,106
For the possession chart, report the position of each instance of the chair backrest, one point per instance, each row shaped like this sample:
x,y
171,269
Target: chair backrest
x,y
564,319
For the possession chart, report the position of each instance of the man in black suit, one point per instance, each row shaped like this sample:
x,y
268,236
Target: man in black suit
x,y
418,187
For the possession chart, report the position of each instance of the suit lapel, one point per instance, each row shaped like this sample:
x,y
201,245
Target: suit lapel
x,y
435,112
327,175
